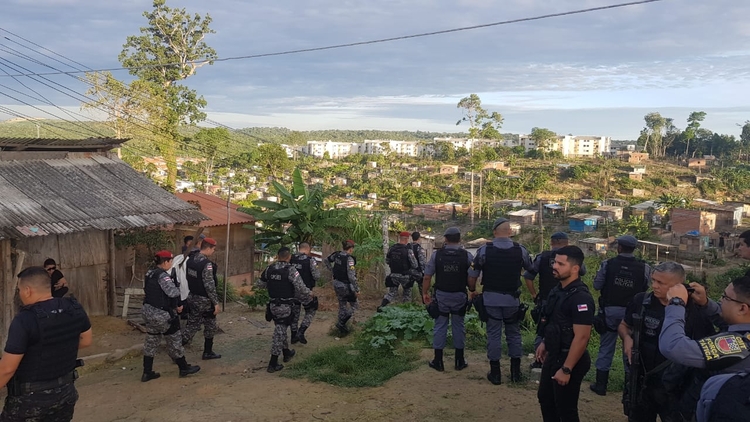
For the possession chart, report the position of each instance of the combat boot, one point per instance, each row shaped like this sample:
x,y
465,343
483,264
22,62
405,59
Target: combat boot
x,y
274,365
208,350
437,363
383,304
148,369
515,370
600,386
301,335
288,354
494,375
460,361
185,368
341,325
295,337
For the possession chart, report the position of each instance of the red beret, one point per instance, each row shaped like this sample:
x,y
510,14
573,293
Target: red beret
x,y
210,241
164,254
404,234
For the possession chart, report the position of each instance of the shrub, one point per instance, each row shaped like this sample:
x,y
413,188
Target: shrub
x,y
259,298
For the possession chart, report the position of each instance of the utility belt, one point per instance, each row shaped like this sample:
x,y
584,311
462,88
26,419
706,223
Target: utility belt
x,y
283,301
515,293
16,388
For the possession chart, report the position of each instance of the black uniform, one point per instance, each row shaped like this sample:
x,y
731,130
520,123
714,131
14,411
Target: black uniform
x,y
572,305
47,335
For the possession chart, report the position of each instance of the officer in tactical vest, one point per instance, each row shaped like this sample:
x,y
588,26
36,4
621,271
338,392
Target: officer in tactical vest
x,y
421,256
723,353
285,286
341,264
203,300
743,247
543,267
647,310
618,280
404,267
307,268
450,266
566,328
500,263
161,306
41,352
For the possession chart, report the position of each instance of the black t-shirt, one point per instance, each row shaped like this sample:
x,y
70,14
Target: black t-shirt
x,y
577,309
24,330
651,326
56,276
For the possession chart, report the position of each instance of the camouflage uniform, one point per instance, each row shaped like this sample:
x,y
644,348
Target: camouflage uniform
x,y
296,310
201,307
403,280
55,405
159,321
282,312
422,261
346,292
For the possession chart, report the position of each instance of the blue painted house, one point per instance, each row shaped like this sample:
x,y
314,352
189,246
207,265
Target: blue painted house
x,y
583,223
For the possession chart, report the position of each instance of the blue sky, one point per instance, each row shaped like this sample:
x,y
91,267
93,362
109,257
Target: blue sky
x,y
592,74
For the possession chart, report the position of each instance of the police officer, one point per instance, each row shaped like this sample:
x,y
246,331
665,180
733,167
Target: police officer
x,y
285,286
40,357
618,280
542,266
203,299
500,263
719,354
160,315
450,265
342,263
743,247
566,326
647,310
404,267
307,268
421,256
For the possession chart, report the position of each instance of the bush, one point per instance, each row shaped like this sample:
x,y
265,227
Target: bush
x,y
231,290
259,298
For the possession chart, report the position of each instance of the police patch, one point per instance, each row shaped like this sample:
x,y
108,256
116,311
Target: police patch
x,y
583,308
719,346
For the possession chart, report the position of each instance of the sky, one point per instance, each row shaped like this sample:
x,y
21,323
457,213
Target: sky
x,y
597,73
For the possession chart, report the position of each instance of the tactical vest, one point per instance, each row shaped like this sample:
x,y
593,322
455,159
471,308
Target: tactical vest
x,y
302,263
341,267
558,336
451,270
278,283
547,280
651,325
501,271
625,277
194,275
155,295
416,247
725,398
56,352
398,257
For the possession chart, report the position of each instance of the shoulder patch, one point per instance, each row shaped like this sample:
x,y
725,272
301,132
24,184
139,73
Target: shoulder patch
x,y
717,347
583,307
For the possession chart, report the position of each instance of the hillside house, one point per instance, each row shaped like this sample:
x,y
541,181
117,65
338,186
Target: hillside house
x,y
638,193
594,246
586,202
635,176
745,207
508,203
728,217
339,181
372,195
685,221
616,202
496,165
317,181
609,212
448,169
638,169
693,243
633,157
583,223
645,208
417,184
446,211
523,217
697,163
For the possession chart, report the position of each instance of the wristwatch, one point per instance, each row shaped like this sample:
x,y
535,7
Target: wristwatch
x,y
565,370
677,301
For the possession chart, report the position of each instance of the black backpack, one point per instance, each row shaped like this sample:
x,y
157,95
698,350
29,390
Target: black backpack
x,y
725,398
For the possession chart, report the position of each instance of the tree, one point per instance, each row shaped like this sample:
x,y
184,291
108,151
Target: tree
x,y
655,124
170,49
482,125
125,104
273,159
694,122
542,138
211,141
668,201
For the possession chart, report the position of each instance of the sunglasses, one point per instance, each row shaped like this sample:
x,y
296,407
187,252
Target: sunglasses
x,y
725,297
51,269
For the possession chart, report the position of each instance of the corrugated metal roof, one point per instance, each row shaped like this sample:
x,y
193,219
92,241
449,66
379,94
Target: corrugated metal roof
x,y
47,144
58,196
215,208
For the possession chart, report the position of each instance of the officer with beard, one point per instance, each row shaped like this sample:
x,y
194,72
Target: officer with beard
x,y
203,300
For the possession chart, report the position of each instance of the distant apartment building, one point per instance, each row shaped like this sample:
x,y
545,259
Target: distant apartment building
x,y
334,149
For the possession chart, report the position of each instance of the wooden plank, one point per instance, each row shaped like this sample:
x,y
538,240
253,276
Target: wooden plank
x,y
8,290
111,275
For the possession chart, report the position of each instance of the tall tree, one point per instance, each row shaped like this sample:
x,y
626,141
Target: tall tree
x,y
170,49
542,138
655,125
274,161
694,122
125,104
482,125
210,141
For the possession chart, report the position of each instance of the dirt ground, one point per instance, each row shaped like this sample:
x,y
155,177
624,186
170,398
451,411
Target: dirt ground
x,y
237,387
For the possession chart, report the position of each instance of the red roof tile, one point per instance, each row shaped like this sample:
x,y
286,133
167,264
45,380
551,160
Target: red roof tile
x,y
215,208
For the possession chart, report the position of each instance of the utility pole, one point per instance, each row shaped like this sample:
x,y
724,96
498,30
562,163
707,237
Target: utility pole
x,y
384,226
481,180
226,252
541,227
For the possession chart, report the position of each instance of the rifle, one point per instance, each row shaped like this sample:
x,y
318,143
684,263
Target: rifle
x,y
635,380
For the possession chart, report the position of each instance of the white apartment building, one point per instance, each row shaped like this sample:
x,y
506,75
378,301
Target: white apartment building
x,y
408,148
334,149
584,146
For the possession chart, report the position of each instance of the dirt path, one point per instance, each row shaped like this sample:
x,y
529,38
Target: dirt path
x,y
237,388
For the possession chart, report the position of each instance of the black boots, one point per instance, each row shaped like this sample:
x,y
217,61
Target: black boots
x,y
460,361
600,386
295,338
494,375
185,368
515,369
383,304
148,369
288,354
274,364
437,363
301,335
341,326
208,350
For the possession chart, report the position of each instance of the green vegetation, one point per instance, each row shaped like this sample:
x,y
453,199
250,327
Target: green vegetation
x,y
232,294
258,299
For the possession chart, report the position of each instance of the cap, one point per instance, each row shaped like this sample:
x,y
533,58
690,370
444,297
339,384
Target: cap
x,y
164,254
210,241
627,241
499,221
351,241
451,231
559,236
404,234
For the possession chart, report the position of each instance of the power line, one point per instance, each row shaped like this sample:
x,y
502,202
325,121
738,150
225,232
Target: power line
x,y
369,42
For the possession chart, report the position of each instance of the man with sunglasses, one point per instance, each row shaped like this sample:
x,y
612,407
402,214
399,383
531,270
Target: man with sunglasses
x,y
59,284
724,353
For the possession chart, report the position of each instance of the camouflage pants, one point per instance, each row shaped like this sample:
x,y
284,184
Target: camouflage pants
x,y
347,308
403,281
54,405
306,320
158,322
281,318
201,313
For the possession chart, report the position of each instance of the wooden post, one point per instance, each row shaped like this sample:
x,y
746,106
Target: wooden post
x,y
541,227
111,282
384,226
226,252
8,290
